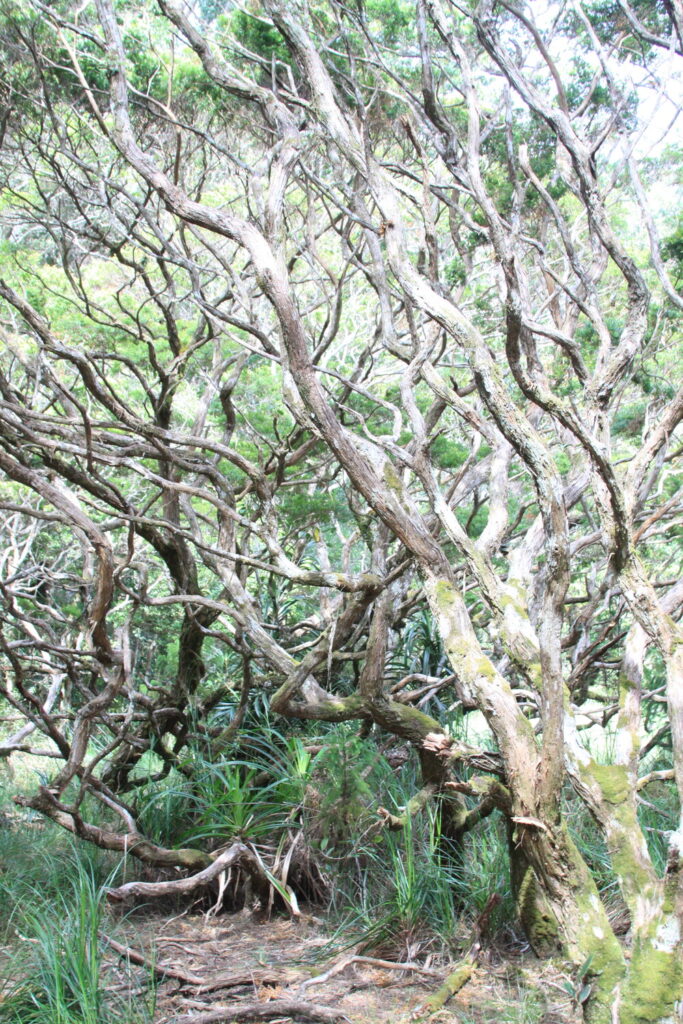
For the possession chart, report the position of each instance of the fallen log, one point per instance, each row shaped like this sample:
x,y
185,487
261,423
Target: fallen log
x,y
456,980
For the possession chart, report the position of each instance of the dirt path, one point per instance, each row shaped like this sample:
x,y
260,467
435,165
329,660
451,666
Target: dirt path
x,y
243,967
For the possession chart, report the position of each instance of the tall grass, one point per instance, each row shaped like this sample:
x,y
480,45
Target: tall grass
x,y
59,964
398,891
51,914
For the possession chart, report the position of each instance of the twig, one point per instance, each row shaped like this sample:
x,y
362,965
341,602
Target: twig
x,y
371,962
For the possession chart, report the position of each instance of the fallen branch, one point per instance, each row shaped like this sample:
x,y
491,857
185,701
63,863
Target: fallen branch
x,y
391,965
266,1011
237,854
458,978
161,972
252,977
370,961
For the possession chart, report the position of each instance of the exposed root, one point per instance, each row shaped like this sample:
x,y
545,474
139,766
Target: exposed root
x,y
238,854
266,1011
370,961
158,969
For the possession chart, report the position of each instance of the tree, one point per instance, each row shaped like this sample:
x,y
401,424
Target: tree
x,y
319,316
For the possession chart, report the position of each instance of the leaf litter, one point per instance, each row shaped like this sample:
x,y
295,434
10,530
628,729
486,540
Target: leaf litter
x,y
236,967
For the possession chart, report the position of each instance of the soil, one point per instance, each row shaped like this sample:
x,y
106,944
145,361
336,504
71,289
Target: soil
x,y
236,960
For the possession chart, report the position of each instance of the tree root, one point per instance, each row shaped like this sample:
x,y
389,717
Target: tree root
x,y
238,854
245,978
158,969
265,1011
202,985
370,961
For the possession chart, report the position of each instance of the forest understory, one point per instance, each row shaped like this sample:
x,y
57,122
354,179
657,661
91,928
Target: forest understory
x,y
361,923
175,964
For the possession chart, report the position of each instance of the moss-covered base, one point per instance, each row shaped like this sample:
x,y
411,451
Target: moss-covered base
x,y
653,990
536,917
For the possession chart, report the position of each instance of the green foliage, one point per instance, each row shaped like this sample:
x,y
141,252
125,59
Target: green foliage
x,y
210,9
64,985
420,648
386,888
38,857
414,892
448,454
609,21
579,989
482,869
257,35
55,903
455,272
542,145
672,249
341,771
630,419
389,20
216,802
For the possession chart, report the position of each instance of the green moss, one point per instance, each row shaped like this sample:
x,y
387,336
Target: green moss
x,y
636,879
392,479
595,939
452,985
406,721
466,659
536,917
515,601
612,781
653,986
350,704
194,859
463,651
445,595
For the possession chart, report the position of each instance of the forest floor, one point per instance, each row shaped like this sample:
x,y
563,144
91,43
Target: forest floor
x,y
232,963
234,967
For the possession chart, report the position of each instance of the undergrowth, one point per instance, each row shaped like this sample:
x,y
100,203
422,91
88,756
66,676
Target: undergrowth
x,y
396,891
53,969
57,973
309,805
